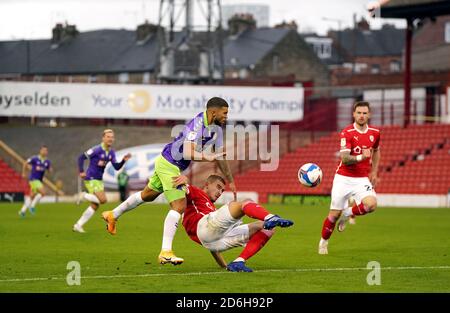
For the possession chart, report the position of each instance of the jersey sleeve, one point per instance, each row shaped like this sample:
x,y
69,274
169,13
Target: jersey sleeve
x,y
113,156
31,160
346,144
376,145
89,153
117,165
49,165
193,130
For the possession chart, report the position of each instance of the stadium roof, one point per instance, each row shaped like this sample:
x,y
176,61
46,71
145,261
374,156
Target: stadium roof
x,y
415,8
115,51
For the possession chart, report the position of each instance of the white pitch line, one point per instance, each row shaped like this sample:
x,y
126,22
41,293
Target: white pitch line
x,y
338,269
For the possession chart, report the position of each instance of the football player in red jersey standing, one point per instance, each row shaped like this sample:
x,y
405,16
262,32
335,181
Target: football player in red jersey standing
x,y
356,174
222,229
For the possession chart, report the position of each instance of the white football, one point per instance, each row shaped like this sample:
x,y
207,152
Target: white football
x,y
310,175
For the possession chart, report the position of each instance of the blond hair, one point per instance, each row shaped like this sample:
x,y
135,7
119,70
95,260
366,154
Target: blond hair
x,y
106,131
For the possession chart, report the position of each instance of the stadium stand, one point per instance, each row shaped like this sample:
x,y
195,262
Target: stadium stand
x,y
413,160
10,180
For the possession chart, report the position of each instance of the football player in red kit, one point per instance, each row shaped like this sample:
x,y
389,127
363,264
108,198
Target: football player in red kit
x,y
222,229
356,174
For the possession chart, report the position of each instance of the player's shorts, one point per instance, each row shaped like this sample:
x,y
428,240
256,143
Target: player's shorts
x,y
219,231
35,185
345,187
161,181
94,185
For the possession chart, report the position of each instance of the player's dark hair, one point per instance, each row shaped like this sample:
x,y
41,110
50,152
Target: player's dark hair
x,y
216,102
213,178
361,104
44,146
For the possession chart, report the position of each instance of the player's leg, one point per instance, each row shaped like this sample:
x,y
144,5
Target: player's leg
x,y
351,218
258,239
176,197
177,208
133,201
38,196
364,202
95,188
256,211
27,201
339,197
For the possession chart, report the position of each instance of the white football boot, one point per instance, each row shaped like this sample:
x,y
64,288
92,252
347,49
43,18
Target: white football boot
x,y
323,246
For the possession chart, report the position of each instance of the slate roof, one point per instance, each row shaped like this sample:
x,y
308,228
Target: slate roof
x,y
382,42
113,51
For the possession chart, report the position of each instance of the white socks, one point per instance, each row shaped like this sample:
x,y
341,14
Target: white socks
x,y
348,211
36,200
268,216
91,198
170,228
86,216
133,201
26,205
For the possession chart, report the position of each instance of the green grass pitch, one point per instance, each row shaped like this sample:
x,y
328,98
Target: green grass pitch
x,y
411,245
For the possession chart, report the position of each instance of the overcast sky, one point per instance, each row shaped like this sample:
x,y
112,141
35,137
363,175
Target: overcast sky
x,y
33,19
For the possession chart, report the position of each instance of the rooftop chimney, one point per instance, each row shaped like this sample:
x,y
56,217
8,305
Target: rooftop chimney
x,y
363,25
239,23
291,25
61,33
145,31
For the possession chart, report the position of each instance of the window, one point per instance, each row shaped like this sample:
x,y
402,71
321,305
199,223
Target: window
x,y
123,78
359,67
146,78
92,79
394,66
447,32
243,73
375,69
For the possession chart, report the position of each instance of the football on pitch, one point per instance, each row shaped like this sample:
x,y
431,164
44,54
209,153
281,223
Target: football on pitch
x,y
310,175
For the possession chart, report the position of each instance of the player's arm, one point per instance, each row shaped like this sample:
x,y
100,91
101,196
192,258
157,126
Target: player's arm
x,y
118,165
190,153
180,180
348,159
50,172
26,166
225,169
373,176
81,160
219,259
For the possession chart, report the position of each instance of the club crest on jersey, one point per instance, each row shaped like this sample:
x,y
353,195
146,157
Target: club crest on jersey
x,y
371,138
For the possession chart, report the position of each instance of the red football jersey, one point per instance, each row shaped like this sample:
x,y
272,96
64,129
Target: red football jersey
x,y
354,140
198,205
